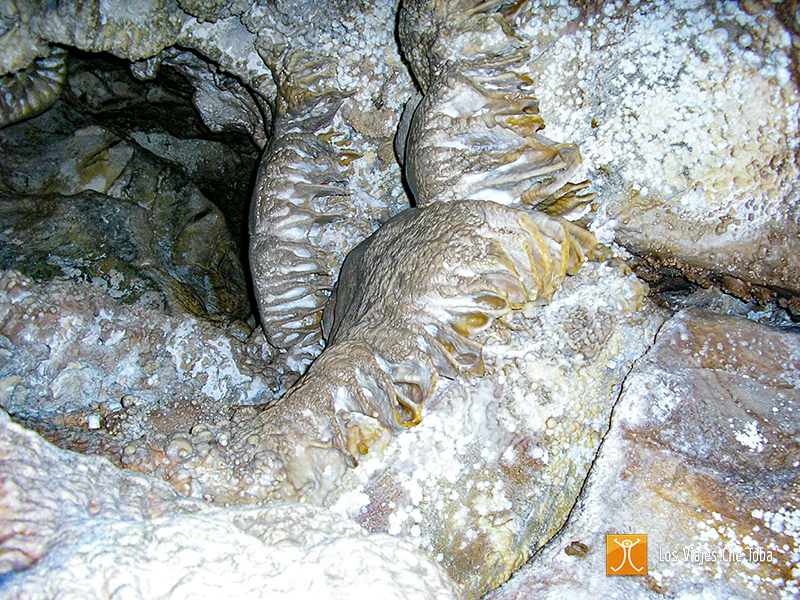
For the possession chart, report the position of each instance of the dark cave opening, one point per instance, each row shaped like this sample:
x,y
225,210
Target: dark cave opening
x,y
151,122
102,87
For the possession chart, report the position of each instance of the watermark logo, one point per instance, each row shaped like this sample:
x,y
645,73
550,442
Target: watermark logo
x,y
626,554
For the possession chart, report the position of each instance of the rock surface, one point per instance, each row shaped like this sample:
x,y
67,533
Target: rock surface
x,y
77,201
687,117
73,350
186,111
44,489
702,456
525,398
85,529
494,467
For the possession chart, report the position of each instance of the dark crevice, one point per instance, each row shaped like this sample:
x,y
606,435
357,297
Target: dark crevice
x,y
163,106
106,119
556,538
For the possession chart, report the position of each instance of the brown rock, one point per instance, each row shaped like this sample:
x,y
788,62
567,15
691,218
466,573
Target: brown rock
x,y
702,457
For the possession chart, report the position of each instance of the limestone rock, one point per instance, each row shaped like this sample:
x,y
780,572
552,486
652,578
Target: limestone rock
x,y
93,26
69,348
44,488
80,202
76,527
328,175
186,111
687,118
223,103
686,114
281,551
702,456
496,463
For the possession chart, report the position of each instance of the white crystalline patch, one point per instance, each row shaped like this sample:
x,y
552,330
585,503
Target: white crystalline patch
x,y
751,438
298,365
341,400
539,454
284,551
115,338
661,133
216,362
357,501
786,520
667,400
175,345
256,65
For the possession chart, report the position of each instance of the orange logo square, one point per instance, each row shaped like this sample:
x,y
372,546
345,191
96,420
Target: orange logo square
x,y
626,554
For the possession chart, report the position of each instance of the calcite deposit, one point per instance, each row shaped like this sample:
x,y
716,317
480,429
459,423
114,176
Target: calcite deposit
x,y
70,349
328,174
687,117
703,457
89,530
493,468
447,329
476,132
34,89
281,551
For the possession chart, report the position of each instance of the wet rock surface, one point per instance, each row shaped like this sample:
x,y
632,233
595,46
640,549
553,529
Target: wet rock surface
x,y
183,109
702,456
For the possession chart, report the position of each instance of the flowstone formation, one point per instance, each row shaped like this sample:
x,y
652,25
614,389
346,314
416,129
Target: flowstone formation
x,y
409,305
476,132
444,373
34,89
328,175
506,451
297,209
